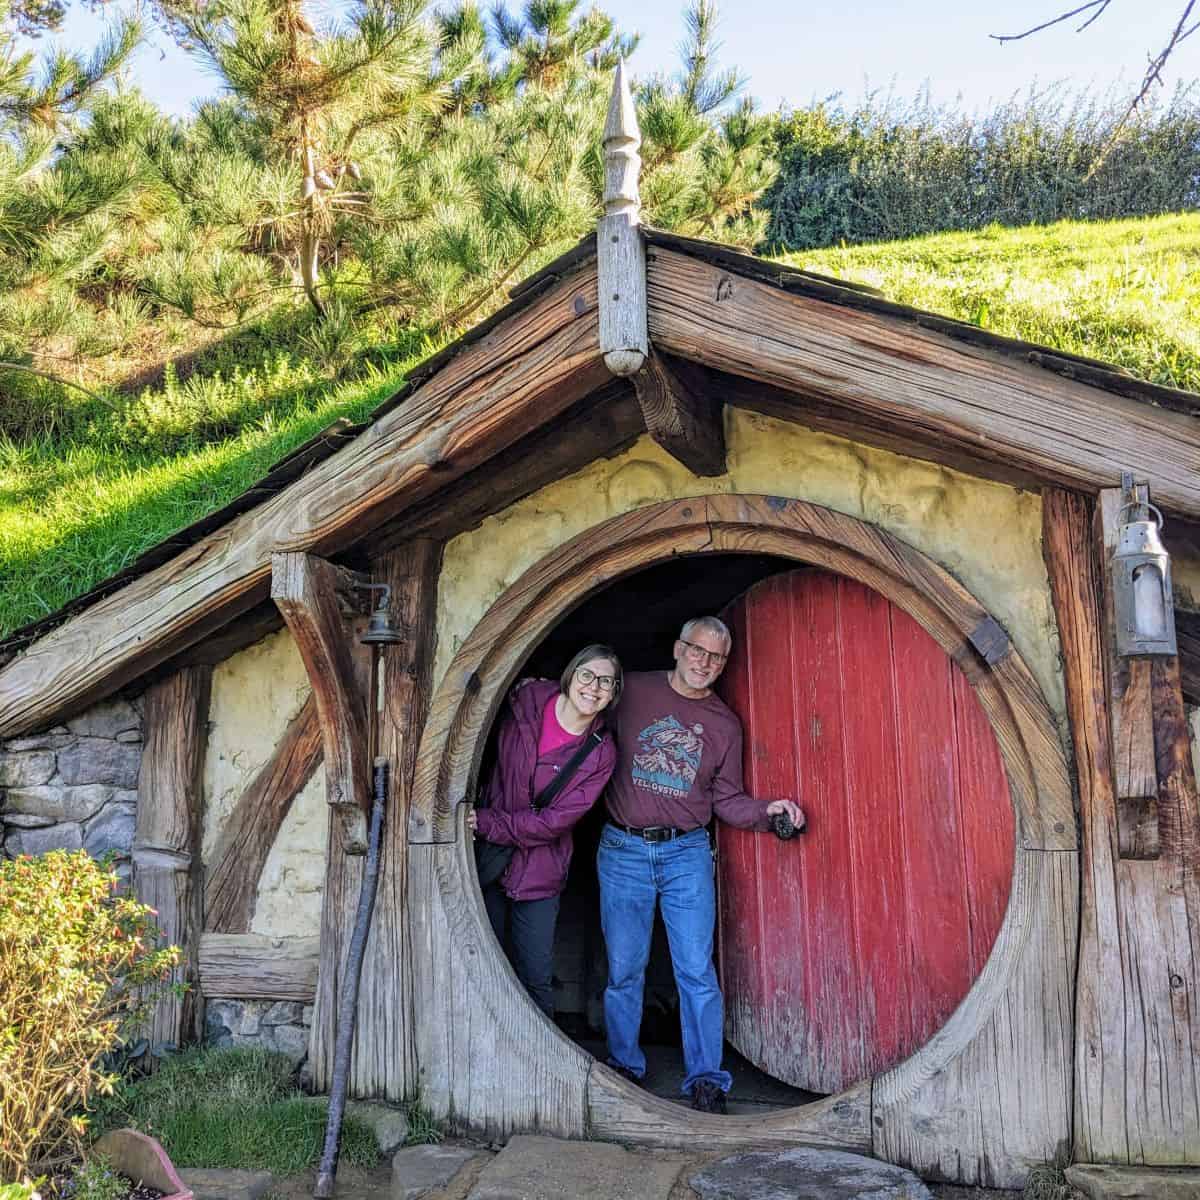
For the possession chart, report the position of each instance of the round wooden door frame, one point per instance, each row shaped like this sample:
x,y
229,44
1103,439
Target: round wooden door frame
x,y
484,666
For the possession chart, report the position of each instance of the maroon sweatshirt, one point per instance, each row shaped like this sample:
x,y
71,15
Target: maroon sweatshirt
x,y
542,839
678,760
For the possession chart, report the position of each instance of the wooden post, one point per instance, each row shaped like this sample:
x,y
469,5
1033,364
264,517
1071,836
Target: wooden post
x,y
1136,1079
166,845
313,596
384,1062
620,252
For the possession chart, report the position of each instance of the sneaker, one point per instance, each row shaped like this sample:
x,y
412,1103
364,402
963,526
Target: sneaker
x,y
707,1097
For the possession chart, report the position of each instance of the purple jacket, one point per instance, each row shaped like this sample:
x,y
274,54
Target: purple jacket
x,y
542,839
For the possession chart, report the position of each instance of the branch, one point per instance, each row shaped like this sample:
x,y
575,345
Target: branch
x,y
1098,5
10,366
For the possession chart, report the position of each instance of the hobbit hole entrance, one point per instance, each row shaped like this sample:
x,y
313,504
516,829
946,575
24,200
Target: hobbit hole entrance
x,y
900,886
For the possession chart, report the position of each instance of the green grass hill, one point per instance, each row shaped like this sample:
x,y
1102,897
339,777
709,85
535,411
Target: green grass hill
x,y
83,498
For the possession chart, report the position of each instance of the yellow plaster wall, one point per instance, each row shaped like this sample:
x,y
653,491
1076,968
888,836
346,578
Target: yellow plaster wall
x,y
987,534
255,695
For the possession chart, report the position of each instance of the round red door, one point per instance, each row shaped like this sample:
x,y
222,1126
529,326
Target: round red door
x,y
844,950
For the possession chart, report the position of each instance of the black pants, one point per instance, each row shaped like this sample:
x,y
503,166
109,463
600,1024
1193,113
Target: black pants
x,y
525,928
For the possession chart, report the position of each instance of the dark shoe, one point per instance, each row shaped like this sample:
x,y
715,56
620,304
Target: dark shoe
x,y
626,1073
707,1097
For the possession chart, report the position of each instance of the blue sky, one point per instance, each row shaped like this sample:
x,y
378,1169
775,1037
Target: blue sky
x,y
795,52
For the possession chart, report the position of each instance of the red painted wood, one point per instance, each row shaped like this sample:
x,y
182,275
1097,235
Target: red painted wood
x,y
843,951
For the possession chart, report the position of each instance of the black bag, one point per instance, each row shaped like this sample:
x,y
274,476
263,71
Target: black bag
x,y
492,859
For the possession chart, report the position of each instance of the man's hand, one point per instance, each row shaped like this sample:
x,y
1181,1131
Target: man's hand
x,y
793,810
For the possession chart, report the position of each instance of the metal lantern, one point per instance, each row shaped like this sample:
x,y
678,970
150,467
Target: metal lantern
x,y
1141,584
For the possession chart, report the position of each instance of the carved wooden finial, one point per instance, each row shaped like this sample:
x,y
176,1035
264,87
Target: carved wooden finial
x,y
622,163
620,255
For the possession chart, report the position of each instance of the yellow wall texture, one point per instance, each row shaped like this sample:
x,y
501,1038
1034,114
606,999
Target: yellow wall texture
x,y
255,695
986,534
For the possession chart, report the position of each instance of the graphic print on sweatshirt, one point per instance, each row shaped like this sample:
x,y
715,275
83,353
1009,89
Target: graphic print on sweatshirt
x,y
669,757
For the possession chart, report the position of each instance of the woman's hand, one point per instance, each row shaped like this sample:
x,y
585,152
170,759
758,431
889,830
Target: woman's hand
x,y
472,821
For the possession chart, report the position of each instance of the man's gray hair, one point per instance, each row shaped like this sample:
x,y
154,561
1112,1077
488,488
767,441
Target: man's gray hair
x,y
712,624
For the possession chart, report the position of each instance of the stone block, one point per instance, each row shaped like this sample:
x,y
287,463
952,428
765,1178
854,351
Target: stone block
x,y
111,829
29,769
52,739
250,1025
419,1170
1098,1181
61,803
390,1125
37,841
130,735
542,1168
282,1012
290,1040
210,1183
100,760
221,1018
106,720
26,820
805,1173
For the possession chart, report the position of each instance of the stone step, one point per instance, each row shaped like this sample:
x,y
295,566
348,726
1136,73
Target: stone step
x,y
219,1183
427,1171
1098,1181
805,1173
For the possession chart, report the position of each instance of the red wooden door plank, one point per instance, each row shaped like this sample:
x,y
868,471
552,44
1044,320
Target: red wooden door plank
x,y
882,913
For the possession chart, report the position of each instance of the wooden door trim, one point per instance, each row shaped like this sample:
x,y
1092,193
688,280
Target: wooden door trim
x,y
470,693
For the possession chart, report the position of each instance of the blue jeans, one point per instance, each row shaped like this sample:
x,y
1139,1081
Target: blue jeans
x,y
634,876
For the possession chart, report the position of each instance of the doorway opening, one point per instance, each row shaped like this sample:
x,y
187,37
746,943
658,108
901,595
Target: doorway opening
x,y
640,616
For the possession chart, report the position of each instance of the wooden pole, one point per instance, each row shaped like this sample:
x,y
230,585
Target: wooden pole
x,y
166,845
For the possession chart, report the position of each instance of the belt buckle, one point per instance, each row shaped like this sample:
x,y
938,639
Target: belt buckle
x,y
658,833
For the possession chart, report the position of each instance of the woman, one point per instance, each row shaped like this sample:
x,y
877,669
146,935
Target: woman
x,y
546,727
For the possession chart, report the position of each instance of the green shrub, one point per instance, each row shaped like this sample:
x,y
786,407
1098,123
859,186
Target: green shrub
x,y
885,169
235,1107
79,966
26,1190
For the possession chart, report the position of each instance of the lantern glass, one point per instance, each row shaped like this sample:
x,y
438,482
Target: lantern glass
x,y
1149,611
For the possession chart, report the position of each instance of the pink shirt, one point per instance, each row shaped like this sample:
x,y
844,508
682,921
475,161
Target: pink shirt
x,y
553,735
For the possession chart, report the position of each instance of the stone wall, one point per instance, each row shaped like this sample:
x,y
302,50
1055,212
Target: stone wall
x,y
74,785
277,1025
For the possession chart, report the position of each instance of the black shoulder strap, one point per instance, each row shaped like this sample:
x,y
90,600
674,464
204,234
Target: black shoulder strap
x,y
546,797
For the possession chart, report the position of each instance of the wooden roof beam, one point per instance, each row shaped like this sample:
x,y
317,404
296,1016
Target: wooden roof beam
x,y
969,401
525,372
689,425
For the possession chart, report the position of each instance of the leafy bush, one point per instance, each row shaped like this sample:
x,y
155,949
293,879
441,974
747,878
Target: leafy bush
x,y
79,967
888,170
235,1107
25,1190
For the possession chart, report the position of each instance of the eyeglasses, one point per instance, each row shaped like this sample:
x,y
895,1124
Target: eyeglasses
x,y
605,683
704,656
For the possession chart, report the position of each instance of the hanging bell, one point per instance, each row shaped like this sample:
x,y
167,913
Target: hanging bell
x,y
380,630
1141,585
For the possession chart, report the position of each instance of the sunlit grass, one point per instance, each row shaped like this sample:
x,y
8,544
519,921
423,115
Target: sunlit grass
x,y
1125,292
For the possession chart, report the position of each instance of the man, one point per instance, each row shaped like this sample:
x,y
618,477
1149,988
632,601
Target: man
x,y
679,761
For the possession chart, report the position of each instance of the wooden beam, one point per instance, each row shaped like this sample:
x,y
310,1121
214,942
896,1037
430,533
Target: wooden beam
x,y
520,376
977,402
687,424
1187,632
1130,710
1137,1088
166,842
248,966
250,830
384,1057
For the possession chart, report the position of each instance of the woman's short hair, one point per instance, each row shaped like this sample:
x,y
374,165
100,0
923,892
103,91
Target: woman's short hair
x,y
595,650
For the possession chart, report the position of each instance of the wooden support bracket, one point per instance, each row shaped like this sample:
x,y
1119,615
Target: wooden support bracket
x,y
686,424
314,597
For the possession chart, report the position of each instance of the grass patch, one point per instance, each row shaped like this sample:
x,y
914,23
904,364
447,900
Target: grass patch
x,y
231,1108
1048,1183
81,501
1126,292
